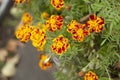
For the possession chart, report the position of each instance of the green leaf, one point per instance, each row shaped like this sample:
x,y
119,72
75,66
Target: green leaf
x,y
102,43
104,78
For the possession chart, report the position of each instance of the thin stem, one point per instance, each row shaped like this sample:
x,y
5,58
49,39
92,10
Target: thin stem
x,y
89,8
86,67
108,73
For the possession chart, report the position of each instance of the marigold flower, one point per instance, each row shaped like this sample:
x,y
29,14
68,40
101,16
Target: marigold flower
x,y
27,18
90,76
45,15
38,38
54,22
23,33
95,23
19,1
44,62
78,31
60,44
72,27
79,35
57,4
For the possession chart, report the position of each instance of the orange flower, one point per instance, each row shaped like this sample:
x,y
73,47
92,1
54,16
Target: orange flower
x,y
54,22
78,31
79,35
95,23
45,15
23,33
60,44
73,27
19,1
27,18
38,38
90,76
57,4
44,62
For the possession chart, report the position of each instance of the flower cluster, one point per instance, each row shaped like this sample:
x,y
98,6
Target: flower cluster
x,y
60,44
23,33
44,62
95,23
77,30
90,76
80,31
36,35
57,4
38,38
19,1
54,22
27,18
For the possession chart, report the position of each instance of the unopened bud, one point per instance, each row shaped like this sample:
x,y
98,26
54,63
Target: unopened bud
x,y
81,73
68,7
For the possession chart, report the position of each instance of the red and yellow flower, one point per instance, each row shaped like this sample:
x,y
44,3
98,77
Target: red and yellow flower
x,y
95,23
19,1
73,27
78,31
38,38
79,35
54,22
23,33
44,62
90,76
27,18
60,44
57,4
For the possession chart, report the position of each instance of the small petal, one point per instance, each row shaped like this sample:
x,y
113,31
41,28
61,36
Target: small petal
x,y
60,45
24,32
90,76
38,38
57,4
19,1
54,22
43,64
95,23
27,18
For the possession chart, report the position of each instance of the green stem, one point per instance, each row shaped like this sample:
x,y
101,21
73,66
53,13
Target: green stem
x,y
86,67
108,73
89,8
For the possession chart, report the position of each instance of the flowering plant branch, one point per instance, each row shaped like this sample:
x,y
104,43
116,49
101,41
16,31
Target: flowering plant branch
x,y
77,43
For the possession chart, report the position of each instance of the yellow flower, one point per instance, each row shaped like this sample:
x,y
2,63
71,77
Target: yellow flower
x,y
95,23
27,18
45,15
60,44
78,31
23,33
57,4
44,62
54,22
90,76
19,1
73,27
38,38
79,35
